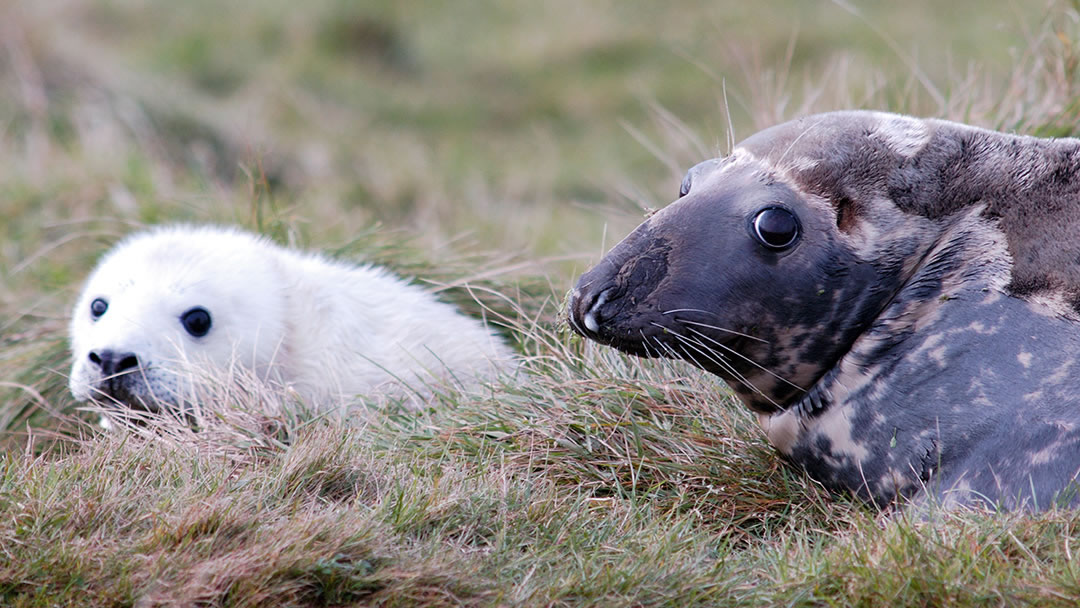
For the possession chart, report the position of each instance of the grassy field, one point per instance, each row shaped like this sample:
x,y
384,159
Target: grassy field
x,y
492,151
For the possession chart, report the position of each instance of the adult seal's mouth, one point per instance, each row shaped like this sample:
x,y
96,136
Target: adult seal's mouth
x,y
613,304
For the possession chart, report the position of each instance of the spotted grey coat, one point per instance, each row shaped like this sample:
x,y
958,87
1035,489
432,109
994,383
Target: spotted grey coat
x,y
895,298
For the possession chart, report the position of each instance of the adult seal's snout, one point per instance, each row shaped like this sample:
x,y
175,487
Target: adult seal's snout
x,y
619,292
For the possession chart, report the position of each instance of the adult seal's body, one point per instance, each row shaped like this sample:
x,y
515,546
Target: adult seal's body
x,y
169,309
895,298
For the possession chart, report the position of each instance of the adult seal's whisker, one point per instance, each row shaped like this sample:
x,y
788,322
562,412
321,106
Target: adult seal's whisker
x,y
717,328
736,353
722,363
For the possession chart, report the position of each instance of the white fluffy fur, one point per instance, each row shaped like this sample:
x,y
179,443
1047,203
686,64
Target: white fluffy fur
x,y
329,330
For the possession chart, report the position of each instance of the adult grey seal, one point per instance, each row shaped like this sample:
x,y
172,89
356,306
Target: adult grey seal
x,y
895,298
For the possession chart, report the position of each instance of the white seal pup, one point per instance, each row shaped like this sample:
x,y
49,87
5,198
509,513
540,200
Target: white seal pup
x,y
179,296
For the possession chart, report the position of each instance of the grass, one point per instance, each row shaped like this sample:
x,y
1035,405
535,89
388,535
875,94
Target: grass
x,y
491,151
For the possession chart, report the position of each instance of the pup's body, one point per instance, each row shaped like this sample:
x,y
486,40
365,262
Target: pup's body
x,y
331,331
896,298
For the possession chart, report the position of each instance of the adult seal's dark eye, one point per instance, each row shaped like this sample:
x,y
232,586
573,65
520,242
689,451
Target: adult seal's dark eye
x,y
98,308
684,188
196,321
776,228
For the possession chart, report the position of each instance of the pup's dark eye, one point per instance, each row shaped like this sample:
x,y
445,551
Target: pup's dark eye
x,y
98,308
196,321
684,189
776,228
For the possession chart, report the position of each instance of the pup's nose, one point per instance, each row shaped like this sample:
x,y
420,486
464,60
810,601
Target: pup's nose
x,y
113,363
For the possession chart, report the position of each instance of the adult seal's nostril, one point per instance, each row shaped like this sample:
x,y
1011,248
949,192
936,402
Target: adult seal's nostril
x,y
584,310
594,317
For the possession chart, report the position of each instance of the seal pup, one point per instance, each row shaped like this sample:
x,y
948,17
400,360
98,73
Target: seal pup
x,y
176,298
895,298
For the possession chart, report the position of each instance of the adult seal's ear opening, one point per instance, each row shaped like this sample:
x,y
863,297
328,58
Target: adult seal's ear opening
x,y
878,288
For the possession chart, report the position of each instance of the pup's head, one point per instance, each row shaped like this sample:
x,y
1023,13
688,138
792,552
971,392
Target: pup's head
x,y
168,299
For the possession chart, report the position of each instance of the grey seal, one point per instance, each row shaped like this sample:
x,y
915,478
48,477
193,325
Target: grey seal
x,y
895,298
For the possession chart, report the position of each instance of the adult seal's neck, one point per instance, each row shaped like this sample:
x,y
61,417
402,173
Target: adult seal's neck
x,y
772,371
858,283
831,429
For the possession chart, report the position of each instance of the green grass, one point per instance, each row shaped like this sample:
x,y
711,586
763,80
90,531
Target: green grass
x,y
492,151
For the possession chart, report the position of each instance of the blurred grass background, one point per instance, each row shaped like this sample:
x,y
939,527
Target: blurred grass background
x,y
534,129
506,145
526,126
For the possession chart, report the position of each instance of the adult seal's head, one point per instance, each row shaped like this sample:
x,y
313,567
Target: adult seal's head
x,y
830,263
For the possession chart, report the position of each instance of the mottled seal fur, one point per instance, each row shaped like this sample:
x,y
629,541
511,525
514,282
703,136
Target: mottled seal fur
x,y
174,299
895,298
